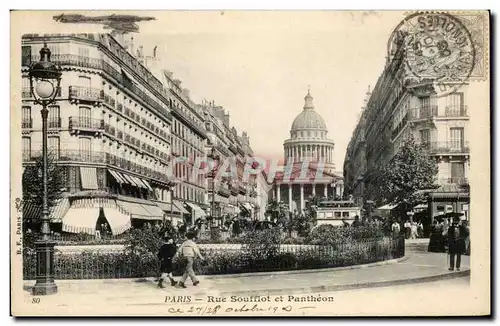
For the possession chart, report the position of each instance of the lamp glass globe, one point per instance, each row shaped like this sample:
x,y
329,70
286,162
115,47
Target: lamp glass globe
x,y
44,89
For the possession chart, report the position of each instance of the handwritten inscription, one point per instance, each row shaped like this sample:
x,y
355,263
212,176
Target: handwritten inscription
x,y
214,305
215,309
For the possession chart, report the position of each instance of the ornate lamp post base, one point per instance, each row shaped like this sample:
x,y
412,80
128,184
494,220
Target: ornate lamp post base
x,y
45,260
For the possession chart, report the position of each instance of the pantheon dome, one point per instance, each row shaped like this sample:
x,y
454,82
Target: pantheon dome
x,y
308,138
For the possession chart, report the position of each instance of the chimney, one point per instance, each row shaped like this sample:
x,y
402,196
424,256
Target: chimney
x,y
185,92
226,119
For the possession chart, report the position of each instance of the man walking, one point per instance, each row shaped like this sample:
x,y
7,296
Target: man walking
x,y
456,242
189,251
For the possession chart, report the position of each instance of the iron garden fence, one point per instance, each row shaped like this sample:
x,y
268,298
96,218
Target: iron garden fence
x,y
221,259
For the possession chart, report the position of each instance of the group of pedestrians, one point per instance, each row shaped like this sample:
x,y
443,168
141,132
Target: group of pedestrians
x,y
412,229
188,252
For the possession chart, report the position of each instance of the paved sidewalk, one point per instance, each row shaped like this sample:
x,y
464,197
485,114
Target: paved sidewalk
x,y
418,267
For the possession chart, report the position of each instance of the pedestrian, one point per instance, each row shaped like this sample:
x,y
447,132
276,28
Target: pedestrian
x,y
457,234
189,251
395,229
356,222
166,255
420,229
407,226
413,233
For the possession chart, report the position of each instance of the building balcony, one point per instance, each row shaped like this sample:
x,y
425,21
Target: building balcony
x,y
456,111
98,158
26,93
454,180
432,111
27,123
424,112
110,130
86,94
448,147
95,63
53,123
85,124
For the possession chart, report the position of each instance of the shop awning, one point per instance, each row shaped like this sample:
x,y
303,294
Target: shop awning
x,y
80,220
59,210
146,183
118,221
117,177
387,207
141,183
141,211
154,211
56,212
196,210
421,206
180,207
132,181
88,177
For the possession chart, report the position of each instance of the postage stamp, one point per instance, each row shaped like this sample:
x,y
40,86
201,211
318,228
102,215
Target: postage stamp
x,y
442,47
254,163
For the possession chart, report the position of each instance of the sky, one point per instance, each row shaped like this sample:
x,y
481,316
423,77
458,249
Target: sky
x,y
259,64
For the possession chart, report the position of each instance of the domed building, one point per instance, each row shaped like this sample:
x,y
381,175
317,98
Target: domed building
x,y
309,162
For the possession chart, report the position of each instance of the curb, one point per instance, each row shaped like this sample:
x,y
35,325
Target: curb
x,y
306,271
344,287
258,274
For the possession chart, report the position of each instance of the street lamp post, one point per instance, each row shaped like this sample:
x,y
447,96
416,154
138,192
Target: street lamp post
x,y
45,79
212,206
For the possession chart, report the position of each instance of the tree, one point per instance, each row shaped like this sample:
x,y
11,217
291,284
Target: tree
x,y
33,181
410,170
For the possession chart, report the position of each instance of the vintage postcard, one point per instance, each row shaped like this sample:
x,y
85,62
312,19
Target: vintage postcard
x,y
250,163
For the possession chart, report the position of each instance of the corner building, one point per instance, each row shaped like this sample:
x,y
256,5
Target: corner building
x,y
110,130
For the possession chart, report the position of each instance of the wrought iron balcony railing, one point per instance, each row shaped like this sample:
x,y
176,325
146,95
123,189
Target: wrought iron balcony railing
x,y
447,147
101,158
84,123
27,123
85,94
454,180
54,123
424,112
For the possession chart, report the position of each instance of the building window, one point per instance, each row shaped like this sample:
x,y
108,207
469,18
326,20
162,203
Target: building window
x,y
425,136
26,56
455,105
26,115
26,147
457,138
345,214
337,214
457,172
54,146
54,119
85,117
85,144
84,81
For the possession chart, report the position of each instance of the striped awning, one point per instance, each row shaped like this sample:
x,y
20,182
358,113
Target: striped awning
x,y
118,221
196,210
118,177
180,207
129,180
88,177
141,211
56,212
80,220
146,183
138,182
